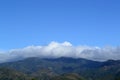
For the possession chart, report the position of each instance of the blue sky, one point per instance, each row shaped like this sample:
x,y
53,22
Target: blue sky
x,y
38,22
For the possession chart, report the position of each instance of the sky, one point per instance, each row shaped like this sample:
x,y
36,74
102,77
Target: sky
x,y
38,22
26,23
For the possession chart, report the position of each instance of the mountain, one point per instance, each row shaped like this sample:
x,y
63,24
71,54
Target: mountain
x,y
59,68
117,77
57,65
72,76
11,74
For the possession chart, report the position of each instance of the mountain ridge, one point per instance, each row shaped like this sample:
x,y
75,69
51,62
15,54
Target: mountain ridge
x,y
90,70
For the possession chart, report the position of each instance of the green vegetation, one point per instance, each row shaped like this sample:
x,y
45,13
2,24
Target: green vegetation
x,y
60,69
70,76
10,74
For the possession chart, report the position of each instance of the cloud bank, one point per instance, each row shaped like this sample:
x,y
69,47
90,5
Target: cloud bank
x,y
65,49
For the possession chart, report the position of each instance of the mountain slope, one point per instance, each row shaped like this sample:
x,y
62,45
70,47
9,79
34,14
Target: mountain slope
x,y
71,76
11,74
58,65
91,70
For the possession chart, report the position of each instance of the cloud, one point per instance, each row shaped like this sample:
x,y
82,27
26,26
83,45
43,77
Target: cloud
x,y
65,49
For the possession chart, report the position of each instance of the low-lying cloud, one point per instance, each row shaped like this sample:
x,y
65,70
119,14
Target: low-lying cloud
x,y
65,49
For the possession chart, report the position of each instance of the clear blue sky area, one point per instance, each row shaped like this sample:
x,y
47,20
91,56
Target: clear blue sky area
x,y
38,22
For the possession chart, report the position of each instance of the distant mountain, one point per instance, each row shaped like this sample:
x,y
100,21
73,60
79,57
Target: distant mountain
x,y
51,68
58,65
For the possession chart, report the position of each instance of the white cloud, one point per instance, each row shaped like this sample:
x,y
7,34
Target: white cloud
x,y
65,49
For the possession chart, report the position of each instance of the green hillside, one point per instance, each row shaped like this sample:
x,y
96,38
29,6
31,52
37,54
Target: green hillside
x,y
60,69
